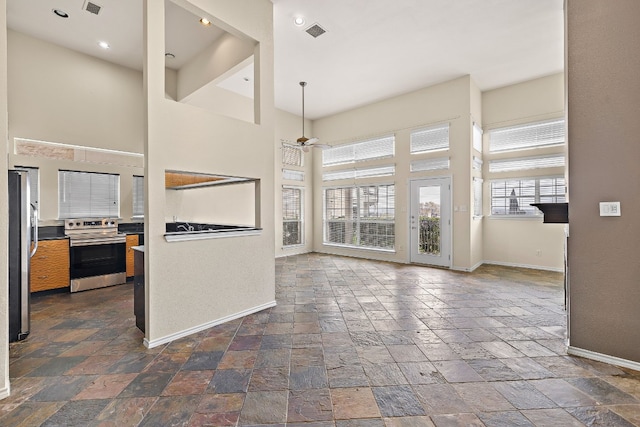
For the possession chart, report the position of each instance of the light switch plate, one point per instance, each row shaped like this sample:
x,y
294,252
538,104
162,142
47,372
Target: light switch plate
x,y
609,208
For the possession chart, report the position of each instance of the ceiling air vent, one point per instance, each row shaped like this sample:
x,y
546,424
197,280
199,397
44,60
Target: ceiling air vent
x,y
315,30
92,7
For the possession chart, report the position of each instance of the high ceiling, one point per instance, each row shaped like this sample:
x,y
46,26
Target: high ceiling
x,y
371,50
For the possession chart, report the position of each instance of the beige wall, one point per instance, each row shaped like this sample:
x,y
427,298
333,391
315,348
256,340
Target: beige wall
x,y
446,102
58,95
191,285
522,242
4,212
603,104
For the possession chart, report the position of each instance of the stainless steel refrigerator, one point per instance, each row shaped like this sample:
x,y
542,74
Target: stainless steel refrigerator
x,y
23,243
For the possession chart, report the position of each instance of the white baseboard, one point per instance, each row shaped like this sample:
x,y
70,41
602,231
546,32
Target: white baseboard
x,y
468,270
187,332
5,392
534,267
611,360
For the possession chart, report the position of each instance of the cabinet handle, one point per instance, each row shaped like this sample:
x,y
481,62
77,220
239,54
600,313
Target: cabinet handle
x,y
42,277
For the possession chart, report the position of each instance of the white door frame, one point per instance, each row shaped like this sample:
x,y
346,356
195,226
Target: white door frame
x,y
446,259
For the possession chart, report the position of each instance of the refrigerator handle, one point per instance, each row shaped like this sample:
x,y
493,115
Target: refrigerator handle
x,y
34,225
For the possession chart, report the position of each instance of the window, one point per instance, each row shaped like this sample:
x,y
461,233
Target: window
x,y
430,164
525,163
360,216
477,163
292,216
291,155
431,139
88,195
292,175
477,197
138,196
366,150
513,197
33,185
359,173
477,137
531,135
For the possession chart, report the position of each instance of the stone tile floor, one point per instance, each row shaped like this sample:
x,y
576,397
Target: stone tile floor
x,y
351,343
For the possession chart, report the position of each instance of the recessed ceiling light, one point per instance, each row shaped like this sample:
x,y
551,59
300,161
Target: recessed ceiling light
x,y
61,13
169,55
104,45
205,22
299,21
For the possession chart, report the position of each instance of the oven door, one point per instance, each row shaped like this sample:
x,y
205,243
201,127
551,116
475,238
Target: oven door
x,y
97,260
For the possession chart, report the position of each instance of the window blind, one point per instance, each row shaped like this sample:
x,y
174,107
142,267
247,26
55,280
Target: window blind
x,y
366,150
359,173
138,196
477,163
532,135
292,175
477,137
429,164
477,197
291,155
360,216
430,139
88,195
525,163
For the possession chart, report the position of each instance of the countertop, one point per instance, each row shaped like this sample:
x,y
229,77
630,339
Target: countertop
x,y
139,248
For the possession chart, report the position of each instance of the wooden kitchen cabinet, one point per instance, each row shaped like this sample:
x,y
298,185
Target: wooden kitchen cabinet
x,y
132,240
50,265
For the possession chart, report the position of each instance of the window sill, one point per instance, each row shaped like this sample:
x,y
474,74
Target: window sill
x,y
363,248
202,235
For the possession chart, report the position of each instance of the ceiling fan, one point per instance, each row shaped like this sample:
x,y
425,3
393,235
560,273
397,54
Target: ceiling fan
x,y
303,141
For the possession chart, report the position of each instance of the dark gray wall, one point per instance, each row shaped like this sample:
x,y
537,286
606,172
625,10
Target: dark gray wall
x,y
603,84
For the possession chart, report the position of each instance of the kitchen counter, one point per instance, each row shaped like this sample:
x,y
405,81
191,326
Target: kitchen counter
x,y
183,231
139,248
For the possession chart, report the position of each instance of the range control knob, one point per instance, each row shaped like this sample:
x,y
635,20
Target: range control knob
x,y
70,224
78,224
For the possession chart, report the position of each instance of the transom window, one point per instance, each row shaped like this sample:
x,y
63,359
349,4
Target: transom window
x,y
434,138
530,135
377,148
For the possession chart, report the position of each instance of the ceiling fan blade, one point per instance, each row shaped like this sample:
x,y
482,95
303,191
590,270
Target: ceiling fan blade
x,y
321,146
312,140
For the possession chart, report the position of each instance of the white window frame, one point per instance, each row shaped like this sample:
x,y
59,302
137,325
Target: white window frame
x,y
357,209
88,194
359,173
524,210
299,220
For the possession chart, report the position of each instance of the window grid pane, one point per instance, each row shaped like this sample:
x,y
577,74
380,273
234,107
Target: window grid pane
x,y
291,216
360,216
513,197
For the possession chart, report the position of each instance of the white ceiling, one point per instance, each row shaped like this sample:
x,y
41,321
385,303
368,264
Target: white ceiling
x,y
372,49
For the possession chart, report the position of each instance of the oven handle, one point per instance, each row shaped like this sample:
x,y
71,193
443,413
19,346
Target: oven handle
x,y
92,242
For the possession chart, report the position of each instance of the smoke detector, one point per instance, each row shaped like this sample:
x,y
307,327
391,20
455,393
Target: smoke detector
x,y
91,7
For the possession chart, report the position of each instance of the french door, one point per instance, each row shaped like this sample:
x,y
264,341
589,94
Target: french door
x,y
430,221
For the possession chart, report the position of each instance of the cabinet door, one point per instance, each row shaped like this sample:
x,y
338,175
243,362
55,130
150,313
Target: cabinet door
x,y
132,240
50,265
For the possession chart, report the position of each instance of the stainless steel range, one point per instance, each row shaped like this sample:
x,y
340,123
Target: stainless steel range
x,y
97,253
